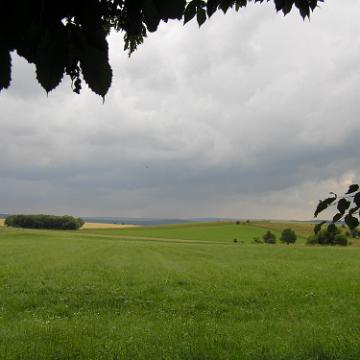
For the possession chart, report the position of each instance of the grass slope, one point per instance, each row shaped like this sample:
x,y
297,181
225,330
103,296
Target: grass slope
x,y
80,295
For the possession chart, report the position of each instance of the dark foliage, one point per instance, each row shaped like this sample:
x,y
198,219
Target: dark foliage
x,y
44,222
69,36
347,206
332,235
269,238
288,236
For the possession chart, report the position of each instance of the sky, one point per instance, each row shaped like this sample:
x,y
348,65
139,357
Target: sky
x,y
255,115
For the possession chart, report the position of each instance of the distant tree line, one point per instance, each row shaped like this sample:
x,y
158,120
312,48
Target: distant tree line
x,y
44,222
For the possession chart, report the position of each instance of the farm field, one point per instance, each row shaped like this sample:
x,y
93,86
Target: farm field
x,y
224,232
92,225
113,294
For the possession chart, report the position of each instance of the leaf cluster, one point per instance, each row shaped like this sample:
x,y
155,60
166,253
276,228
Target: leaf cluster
x,y
203,10
347,206
68,37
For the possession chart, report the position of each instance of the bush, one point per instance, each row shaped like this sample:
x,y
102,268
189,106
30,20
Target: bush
x,y
269,238
341,239
44,222
288,236
332,235
257,240
355,233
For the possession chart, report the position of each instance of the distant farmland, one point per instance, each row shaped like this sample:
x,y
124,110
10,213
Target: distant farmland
x,y
175,292
91,225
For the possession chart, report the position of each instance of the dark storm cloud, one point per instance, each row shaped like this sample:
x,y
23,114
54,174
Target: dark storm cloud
x,y
255,115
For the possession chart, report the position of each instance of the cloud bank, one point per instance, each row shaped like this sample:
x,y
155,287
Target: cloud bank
x,y
254,115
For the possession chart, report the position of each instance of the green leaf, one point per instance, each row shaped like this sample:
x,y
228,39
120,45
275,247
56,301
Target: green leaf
x,y
357,199
317,227
239,4
286,8
201,16
303,6
96,70
173,9
353,188
279,4
331,228
211,6
337,217
354,210
5,67
50,58
151,14
351,221
190,11
324,204
343,205
225,5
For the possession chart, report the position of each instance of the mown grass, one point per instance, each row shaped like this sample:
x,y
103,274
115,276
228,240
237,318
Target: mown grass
x,y
82,295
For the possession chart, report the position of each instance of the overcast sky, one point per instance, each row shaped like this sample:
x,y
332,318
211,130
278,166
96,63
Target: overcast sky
x,y
253,116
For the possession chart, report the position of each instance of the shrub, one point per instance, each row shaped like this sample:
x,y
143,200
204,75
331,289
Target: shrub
x,y
238,222
235,240
257,240
44,222
341,239
288,236
354,233
269,238
332,235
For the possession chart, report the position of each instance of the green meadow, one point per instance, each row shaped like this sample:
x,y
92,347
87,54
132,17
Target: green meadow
x,y
177,293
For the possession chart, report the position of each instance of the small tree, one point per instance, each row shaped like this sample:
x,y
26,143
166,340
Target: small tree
x,y
288,236
269,238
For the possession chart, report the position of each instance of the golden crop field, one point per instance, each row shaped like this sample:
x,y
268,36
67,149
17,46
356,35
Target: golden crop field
x,y
90,225
2,222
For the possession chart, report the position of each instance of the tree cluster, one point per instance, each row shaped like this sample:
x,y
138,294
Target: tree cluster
x,y
69,36
332,235
44,222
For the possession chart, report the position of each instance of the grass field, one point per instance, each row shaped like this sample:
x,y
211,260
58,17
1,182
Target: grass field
x,y
113,294
219,232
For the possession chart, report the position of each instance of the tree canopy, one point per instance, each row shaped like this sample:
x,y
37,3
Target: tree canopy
x,y
69,36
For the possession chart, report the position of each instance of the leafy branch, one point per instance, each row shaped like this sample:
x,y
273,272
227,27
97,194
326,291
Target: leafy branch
x,y
347,207
69,37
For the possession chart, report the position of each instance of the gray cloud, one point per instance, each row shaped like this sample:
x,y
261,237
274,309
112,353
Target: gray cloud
x,y
254,115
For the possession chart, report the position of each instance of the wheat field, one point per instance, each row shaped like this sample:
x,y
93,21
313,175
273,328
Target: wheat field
x,y
91,225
